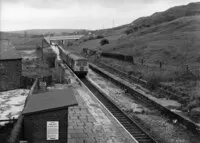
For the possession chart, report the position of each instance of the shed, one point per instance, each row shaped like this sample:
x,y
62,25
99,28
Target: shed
x,y
10,66
46,116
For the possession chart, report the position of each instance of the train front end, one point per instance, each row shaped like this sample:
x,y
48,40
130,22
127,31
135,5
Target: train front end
x,y
81,67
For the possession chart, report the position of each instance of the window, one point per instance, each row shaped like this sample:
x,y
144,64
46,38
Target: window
x,y
81,63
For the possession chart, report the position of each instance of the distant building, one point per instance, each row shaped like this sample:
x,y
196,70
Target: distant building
x,y
10,66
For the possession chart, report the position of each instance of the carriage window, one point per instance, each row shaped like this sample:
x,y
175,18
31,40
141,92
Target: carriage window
x,y
81,63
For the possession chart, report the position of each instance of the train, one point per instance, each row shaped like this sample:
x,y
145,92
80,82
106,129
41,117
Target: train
x,y
77,63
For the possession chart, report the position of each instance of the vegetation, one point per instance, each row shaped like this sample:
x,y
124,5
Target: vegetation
x,y
69,44
129,31
92,37
100,36
153,81
104,42
49,58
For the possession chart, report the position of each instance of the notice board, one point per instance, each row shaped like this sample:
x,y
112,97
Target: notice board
x,y
52,130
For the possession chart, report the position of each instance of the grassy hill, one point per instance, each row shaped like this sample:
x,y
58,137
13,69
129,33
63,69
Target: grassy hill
x,y
171,37
173,13
170,41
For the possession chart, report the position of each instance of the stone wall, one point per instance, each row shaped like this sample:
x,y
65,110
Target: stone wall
x,y
10,74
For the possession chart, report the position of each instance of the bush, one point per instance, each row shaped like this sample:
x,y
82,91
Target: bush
x,y
50,59
69,44
129,31
104,42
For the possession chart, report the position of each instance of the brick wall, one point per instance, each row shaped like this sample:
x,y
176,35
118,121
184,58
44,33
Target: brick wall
x,y
35,130
10,74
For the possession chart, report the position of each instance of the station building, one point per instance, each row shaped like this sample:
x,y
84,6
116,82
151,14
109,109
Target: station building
x,y
10,66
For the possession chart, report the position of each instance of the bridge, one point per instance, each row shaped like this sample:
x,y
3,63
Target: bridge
x,y
50,39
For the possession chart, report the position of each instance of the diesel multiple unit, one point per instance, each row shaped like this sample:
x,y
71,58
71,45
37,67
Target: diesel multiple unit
x,y
76,62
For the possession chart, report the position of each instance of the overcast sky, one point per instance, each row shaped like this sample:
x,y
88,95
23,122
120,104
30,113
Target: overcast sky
x,y
77,14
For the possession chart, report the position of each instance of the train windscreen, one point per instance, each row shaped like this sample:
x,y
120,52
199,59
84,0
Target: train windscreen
x,y
81,63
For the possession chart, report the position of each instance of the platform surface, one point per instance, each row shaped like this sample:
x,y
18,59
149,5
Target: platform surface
x,y
89,122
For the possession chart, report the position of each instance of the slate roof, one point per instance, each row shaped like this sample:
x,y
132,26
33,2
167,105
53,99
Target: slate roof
x,y
8,51
48,101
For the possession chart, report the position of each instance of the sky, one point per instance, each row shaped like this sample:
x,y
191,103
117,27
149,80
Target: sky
x,y
77,14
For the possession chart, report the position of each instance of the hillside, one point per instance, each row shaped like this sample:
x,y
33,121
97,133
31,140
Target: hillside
x,y
173,13
172,41
166,49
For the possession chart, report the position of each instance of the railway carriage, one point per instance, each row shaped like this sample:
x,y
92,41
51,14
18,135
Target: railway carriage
x,y
76,62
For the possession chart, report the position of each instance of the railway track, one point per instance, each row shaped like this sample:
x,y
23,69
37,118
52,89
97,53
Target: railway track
x,y
165,111
139,134
133,79
131,126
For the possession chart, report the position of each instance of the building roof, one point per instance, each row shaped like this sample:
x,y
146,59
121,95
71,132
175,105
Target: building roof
x,y
48,101
8,51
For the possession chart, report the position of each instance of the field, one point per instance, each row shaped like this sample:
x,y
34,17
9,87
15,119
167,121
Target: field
x,y
87,43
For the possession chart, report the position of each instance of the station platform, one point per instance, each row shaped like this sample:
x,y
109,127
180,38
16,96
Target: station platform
x,y
90,122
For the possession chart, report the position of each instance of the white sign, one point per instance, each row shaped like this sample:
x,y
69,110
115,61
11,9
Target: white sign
x,y
52,130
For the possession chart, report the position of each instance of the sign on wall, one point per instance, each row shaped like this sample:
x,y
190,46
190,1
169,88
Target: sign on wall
x,y
52,130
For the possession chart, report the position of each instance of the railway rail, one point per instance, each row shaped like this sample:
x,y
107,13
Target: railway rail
x,y
139,134
189,124
133,79
131,126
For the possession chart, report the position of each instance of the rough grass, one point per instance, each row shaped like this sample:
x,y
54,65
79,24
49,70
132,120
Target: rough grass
x,y
93,44
189,84
174,43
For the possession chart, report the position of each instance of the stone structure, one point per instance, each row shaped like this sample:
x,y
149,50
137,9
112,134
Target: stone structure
x,y
47,122
10,66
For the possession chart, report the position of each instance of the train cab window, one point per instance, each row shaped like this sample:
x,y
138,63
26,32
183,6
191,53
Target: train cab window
x,y
81,63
